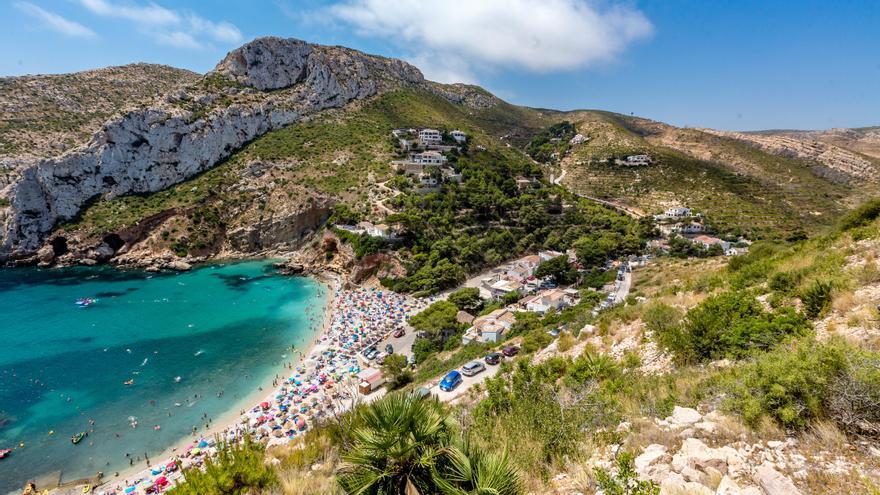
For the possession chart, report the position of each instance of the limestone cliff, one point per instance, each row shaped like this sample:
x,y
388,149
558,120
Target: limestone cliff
x,y
264,85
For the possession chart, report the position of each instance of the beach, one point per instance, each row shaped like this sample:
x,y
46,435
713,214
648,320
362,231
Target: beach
x,y
319,383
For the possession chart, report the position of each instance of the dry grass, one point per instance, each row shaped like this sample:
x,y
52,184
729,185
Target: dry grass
x,y
824,435
820,482
844,301
565,342
306,482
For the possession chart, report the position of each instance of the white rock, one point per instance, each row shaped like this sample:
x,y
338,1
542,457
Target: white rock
x,y
684,416
153,147
727,487
652,454
775,444
773,482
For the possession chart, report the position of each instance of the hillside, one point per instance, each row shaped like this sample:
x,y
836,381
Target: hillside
x,y
42,116
253,156
763,190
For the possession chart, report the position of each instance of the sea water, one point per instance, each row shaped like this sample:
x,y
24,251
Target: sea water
x,y
193,346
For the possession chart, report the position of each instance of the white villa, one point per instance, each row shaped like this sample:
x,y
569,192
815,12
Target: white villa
x,y
459,136
427,158
430,136
550,299
634,160
490,327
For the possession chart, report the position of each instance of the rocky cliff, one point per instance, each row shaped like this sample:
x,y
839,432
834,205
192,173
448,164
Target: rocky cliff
x,y
264,85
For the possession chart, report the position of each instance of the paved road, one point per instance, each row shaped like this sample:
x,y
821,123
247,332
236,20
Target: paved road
x,y
624,287
466,384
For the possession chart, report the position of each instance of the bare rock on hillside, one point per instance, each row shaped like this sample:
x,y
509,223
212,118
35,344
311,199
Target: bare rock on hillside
x,y
156,146
773,482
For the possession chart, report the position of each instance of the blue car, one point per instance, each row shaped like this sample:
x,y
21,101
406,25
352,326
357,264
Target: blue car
x,y
450,381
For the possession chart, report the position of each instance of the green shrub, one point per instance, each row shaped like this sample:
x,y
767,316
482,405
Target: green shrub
x,y
625,481
816,298
784,282
467,299
789,385
861,216
730,325
236,469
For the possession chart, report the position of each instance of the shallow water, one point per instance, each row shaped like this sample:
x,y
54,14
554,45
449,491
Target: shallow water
x,y
219,328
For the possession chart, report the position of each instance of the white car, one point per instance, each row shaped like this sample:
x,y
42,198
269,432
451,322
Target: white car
x,y
472,368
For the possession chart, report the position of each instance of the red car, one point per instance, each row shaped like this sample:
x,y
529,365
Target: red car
x,y
400,332
510,350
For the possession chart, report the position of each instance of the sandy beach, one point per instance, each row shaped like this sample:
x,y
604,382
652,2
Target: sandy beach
x,y
316,382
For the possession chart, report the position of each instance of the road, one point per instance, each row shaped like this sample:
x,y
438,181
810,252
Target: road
x,y
623,288
629,210
467,383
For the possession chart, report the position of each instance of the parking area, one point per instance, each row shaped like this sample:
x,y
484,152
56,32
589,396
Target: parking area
x,y
466,383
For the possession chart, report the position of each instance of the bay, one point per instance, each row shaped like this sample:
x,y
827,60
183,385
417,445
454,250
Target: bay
x,y
194,346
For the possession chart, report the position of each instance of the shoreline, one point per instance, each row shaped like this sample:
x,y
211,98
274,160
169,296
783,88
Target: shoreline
x,y
233,416
322,385
295,350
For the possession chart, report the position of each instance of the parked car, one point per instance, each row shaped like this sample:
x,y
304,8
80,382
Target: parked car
x,y
400,332
389,349
374,353
473,368
493,358
510,350
369,350
450,381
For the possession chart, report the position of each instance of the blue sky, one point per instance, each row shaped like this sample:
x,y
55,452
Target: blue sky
x,y
732,65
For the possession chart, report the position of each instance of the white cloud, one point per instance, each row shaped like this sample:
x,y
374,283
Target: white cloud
x,y
455,38
218,31
141,14
178,39
181,29
55,22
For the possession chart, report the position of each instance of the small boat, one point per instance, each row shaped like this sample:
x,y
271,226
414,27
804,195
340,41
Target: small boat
x,y
78,437
177,379
4,453
85,301
128,382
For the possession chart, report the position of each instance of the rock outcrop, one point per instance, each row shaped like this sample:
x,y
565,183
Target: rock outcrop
x,y
173,139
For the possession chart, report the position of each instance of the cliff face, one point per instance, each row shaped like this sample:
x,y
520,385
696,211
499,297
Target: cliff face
x,y
175,138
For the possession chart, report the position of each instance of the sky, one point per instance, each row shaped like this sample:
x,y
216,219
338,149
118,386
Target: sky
x,y
736,65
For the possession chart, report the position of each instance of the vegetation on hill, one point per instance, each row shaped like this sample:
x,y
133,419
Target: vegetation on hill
x,y
42,115
741,189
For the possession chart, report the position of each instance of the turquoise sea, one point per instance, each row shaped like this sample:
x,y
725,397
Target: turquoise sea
x,y
223,329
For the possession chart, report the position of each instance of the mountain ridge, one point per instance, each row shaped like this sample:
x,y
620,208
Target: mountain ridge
x,y
193,126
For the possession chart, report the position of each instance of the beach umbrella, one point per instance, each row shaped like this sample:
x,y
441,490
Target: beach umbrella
x,y
130,489
203,444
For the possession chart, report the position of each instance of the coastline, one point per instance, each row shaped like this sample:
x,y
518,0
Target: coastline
x,y
264,392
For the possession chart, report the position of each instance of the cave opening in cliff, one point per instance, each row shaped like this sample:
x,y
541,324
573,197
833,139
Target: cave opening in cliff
x,y
59,246
114,241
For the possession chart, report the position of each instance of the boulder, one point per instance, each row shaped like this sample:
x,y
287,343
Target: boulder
x,y
180,266
684,416
652,454
727,487
773,482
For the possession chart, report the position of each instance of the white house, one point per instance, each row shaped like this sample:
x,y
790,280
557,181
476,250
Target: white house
x,y
459,136
430,136
550,299
578,139
504,286
709,241
427,158
490,327
680,211
427,180
635,160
